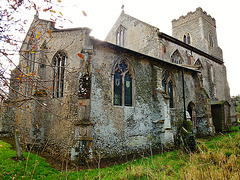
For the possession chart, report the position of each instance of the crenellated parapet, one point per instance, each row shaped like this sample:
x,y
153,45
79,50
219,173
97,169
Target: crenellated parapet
x,y
193,15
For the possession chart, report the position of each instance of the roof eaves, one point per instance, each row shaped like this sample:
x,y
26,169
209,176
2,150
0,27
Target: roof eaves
x,y
138,53
187,46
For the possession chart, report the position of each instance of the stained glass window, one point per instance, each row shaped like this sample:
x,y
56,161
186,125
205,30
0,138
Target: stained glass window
x,y
170,93
128,90
122,85
117,88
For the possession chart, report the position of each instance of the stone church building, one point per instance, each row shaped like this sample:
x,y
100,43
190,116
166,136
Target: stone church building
x,y
126,94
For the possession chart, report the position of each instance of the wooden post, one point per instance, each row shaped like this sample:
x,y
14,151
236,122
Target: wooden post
x,y
18,146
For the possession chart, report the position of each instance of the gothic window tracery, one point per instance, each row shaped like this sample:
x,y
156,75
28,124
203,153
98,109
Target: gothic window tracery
x,y
167,85
121,36
58,74
176,57
29,64
123,83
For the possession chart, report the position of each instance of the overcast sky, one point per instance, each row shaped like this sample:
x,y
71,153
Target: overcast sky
x,y
102,14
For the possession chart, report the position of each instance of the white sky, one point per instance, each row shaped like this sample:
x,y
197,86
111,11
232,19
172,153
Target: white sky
x,y
102,14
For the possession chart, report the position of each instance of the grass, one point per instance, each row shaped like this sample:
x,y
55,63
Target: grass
x,y
34,167
218,158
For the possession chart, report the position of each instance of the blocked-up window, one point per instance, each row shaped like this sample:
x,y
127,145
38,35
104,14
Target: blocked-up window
x,y
58,74
210,39
122,85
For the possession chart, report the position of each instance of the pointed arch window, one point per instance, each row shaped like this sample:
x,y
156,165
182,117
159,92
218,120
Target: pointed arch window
x,y
176,57
58,74
121,36
122,84
29,64
30,54
167,85
187,38
170,93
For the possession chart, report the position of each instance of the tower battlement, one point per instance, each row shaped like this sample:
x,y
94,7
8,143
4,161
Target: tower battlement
x,y
193,15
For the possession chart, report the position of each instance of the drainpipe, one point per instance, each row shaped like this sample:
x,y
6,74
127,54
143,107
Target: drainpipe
x,y
184,103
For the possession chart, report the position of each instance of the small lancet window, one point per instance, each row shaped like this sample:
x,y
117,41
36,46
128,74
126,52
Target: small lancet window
x,y
185,39
58,74
176,57
128,89
167,85
121,36
188,39
122,85
170,93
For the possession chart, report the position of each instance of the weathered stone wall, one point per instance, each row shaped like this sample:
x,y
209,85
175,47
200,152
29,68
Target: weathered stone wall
x,y
120,129
44,119
139,36
123,129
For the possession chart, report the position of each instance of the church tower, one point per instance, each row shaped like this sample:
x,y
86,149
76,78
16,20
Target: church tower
x,y
198,29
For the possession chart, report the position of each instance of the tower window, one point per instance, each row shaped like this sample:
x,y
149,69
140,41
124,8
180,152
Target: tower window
x,y
187,39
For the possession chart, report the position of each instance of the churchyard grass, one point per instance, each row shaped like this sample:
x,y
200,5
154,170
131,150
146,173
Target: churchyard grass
x,y
217,158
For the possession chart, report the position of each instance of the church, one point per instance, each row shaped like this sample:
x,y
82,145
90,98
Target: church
x,y
133,91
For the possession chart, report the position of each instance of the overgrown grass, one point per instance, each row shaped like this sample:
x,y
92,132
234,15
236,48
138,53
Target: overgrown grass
x,y
34,167
218,158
